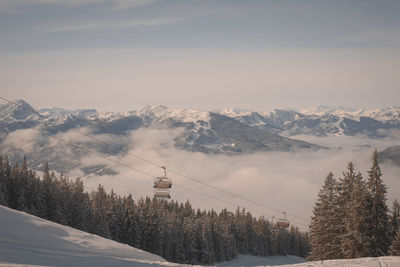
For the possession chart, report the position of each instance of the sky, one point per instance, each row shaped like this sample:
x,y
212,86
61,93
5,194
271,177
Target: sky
x,y
120,55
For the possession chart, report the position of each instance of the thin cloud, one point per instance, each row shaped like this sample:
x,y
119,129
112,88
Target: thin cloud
x,y
112,25
373,36
14,6
124,4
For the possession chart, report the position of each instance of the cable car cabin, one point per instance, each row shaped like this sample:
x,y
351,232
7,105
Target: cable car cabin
x,y
162,195
162,186
162,182
282,223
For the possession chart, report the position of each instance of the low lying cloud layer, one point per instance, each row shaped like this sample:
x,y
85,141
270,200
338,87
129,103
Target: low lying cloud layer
x,y
283,181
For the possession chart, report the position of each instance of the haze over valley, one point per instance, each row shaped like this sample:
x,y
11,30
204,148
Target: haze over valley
x,y
279,158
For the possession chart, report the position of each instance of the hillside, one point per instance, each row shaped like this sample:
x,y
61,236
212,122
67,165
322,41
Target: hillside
x,y
26,240
29,240
391,155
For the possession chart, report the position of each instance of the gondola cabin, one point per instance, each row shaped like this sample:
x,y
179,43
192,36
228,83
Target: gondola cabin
x,y
162,185
282,223
162,182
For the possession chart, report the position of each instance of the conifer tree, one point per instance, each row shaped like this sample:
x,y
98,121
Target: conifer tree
x,y
49,194
323,228
379,228
174,231
283,242
395,219
79,206
353,202
395,247
130,221
3,194
99,225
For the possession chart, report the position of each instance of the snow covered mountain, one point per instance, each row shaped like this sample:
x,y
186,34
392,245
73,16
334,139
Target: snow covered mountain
x,y
229,131
323,121
201,131
319,120
26,240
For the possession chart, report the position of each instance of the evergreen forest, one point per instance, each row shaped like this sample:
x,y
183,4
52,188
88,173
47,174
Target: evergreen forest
x,y
175,231
351,218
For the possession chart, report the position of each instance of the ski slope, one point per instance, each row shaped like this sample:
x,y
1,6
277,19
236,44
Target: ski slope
x,y
29,240
26,240
361,262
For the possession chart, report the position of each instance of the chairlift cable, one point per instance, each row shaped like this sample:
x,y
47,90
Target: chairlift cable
x,y
158,165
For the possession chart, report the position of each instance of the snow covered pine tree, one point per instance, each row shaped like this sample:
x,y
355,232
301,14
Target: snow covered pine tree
x,y
379,228
395,247
324,227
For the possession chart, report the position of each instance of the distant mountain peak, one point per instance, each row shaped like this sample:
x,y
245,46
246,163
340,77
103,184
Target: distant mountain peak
x,y
152,108
19,110
233,112
324,109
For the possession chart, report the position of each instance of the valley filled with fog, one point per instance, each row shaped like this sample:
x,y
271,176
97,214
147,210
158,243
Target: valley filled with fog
x,y
287,181
235,158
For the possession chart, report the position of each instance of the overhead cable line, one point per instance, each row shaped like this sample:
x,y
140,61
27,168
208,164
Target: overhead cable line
x,y
160,166
149,175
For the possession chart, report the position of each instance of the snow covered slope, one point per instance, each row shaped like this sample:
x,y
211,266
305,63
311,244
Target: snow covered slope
x,y
364,262
26,240
249,261
29,240
292,261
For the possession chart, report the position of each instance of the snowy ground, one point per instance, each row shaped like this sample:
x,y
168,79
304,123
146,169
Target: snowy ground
x,y
26,240
361,262
249,261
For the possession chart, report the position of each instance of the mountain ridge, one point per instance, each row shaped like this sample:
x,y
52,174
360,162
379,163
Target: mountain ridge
x,y
210,132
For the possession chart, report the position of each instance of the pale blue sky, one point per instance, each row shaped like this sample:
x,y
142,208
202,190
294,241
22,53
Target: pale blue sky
x,y
121,54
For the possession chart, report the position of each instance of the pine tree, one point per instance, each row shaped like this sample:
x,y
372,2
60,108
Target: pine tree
x,y
3,188
395,219
79,206
130,221
395,247
323,228
175,231
353,193
282,239
99,225
294,241
6,174
49,194
378,211
207,249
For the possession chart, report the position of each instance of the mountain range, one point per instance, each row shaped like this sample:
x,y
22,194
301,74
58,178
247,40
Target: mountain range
x,y
228,131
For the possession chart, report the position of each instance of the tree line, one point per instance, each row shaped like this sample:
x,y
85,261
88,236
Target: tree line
x,y
175,231
351,218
